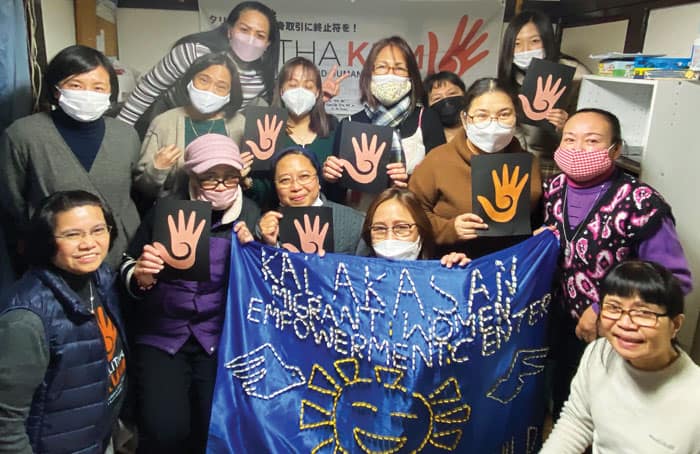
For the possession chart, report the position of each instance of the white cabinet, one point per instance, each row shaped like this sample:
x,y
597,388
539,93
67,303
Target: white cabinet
x,y
660,122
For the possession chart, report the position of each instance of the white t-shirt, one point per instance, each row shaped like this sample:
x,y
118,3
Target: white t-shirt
x,y
619,409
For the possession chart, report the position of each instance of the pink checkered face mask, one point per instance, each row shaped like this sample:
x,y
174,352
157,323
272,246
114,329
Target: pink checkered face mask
x,y
583,165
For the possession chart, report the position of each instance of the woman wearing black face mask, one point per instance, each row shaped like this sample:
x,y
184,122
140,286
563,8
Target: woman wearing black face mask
x,y
72,147
445,92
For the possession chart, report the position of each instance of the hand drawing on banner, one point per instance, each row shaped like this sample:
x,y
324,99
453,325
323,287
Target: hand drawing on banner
x,y
269,131
361,405
108,330
507,193
331,84
183,241
526,363
311,237
367,159
263,374
460,56
545,99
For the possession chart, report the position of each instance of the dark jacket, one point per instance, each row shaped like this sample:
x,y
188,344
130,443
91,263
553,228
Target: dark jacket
x,y
69,411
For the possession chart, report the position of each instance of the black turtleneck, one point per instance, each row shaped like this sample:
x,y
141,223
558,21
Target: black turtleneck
x,y
80,284
84,138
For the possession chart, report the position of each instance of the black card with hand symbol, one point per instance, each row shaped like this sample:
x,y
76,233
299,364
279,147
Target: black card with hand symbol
x,y
304,229
264,127
181,233
546,86
501,192
365,151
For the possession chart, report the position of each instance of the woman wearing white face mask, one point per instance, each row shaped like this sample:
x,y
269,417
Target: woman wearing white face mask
x,y
392,93
71,147
213,90
396,228
300,91
530,35
442,182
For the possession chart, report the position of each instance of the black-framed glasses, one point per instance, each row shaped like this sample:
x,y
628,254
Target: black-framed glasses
x,y
484,120
382,69
209,184
76,236
303,179
640,317
402,230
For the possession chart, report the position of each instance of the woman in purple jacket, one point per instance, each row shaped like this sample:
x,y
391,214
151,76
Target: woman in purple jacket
x,y
178,323
602,217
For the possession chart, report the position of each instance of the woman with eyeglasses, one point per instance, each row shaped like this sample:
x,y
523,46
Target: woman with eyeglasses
x,y
396,228
392,95
442,182
296,178
602,217
635,390
62,341
212,88
178,323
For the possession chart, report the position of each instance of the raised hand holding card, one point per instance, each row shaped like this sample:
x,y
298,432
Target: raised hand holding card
x,y
546,87
364,151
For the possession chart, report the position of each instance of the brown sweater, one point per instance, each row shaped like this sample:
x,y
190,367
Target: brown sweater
x,y
442,184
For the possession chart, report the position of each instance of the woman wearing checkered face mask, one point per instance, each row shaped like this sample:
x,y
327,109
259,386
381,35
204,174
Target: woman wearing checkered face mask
x,y
602,217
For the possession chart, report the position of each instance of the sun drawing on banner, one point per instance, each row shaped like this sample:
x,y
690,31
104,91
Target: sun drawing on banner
x,y
378,414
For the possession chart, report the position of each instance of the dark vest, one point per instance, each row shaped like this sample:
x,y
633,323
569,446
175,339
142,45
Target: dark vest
x,y
69,411
628,213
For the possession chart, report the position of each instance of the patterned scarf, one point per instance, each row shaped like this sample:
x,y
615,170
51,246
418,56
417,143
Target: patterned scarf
x,y
392,116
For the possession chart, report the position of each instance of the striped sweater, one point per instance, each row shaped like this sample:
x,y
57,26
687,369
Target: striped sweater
x,y
169,69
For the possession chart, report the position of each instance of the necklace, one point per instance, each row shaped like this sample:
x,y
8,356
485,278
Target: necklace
x,y
92,299
197,133
567,241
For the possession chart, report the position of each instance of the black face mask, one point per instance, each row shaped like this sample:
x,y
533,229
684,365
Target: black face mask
x,y
449,109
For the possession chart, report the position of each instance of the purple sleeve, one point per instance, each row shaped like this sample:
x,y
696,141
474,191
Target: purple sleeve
x,y
665,249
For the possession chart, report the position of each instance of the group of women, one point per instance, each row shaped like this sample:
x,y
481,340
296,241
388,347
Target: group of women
x,y
74,179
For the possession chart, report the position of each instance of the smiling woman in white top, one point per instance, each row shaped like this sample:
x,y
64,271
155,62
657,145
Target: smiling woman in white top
x,y
635,389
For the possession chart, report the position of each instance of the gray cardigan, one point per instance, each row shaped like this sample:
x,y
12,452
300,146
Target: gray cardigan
x,y
35,162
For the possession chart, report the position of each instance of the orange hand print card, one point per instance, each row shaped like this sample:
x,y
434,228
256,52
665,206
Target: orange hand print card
x,y
546,86
501,192
307,229
364,151
181,232
262,135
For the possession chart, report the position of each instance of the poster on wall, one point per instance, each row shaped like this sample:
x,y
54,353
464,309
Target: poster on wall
x,y
458,36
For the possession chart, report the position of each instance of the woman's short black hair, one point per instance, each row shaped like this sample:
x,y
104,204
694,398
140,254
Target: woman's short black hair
x,y
41,244
437,79
297,150
543,24
647,280
417,93
610,117
75,60
270,59
204,62
319,119
486,85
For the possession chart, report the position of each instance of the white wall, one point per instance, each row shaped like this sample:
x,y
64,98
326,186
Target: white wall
x,y
672,30
59,25
586,40
145,35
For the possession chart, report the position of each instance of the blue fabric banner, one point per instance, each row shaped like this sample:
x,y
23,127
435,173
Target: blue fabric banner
x,y
350,354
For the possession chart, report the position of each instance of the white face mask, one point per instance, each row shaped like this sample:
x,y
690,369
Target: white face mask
x,y
205,101
398,249
389,88
83,105
522,59
492,138
299,101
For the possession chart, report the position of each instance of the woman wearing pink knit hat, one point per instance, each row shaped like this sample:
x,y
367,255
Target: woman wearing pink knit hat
x,y
178,323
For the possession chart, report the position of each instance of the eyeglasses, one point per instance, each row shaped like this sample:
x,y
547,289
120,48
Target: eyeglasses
x,y
382,69
209,184
303,179
399,230
76,236
483,120
639,317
